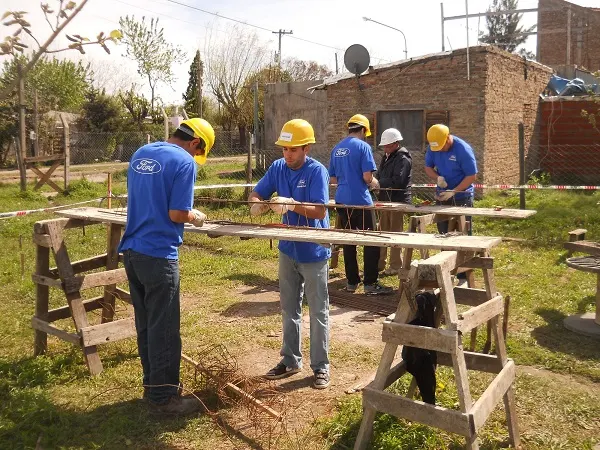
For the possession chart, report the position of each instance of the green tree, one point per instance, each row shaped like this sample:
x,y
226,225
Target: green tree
x,y
155,56
504,30
101,112
61,84
190,97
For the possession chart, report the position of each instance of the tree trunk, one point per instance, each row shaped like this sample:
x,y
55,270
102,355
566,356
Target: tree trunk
x,y
243,136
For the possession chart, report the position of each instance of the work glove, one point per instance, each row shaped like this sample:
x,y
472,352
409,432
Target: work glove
x,y
199,218
444,196
374,185
441,182
281,205
258,207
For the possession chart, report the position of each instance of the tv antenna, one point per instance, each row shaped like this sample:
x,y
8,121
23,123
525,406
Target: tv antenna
x,y
357,60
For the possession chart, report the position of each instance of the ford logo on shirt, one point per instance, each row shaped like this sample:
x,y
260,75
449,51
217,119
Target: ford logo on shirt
x,y
146,166
342,152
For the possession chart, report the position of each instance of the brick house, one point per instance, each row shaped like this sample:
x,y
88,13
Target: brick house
x,y
568,35
502,91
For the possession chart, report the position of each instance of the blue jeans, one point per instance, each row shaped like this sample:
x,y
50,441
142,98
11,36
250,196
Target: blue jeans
x,y
154,286
294,279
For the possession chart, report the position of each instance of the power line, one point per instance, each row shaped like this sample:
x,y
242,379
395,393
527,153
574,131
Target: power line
x,y
260,27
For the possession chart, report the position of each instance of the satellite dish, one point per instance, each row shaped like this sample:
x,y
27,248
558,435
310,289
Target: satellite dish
x,y
356,59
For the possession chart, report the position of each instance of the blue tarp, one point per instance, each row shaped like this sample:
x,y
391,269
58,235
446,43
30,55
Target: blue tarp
x,y
563,87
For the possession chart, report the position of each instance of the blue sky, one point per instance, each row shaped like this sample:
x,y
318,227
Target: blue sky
x,y
334,24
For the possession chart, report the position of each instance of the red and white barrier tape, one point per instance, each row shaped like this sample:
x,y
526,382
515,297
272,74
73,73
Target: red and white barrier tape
x,y
26,212
561,187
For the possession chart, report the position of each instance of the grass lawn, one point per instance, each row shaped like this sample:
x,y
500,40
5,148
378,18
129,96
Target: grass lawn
x,y
52,399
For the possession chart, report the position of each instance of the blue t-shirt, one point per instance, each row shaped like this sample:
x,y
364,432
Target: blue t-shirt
x,y
350,158
309,183
160,177
454,165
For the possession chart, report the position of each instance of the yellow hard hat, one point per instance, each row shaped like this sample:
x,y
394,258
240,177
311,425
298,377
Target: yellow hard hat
x,y
203,130
437,136
359,119
296,133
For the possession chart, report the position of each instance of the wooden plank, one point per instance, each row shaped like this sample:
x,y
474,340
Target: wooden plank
x,y
123,295
404,314
396,372
45,177
474,361
479,315
92,280
446,261
55,230
590,247
112,262
305,234
41,239
42,295
40,325
85,265
45,158
46,281
446,294
479,262
234,389
421,337
104,333
470,296
63,312
41,226
491,397
417,411
504,213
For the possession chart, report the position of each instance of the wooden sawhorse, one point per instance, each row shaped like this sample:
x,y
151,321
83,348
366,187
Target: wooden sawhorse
x,y
70,277
486,305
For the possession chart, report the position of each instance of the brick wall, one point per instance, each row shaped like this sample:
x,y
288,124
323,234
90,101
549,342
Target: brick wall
x,y
439,82
512,96
553,37
569,144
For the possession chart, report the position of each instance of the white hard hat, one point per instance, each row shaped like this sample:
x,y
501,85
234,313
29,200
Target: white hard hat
x,y
390,136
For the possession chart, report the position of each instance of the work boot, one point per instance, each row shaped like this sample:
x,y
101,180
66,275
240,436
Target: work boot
x,y
177,405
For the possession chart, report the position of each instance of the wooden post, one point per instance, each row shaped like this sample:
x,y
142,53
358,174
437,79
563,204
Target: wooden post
x,y
249,164
42,267
67,149
521,165
22,129
109,190
36,124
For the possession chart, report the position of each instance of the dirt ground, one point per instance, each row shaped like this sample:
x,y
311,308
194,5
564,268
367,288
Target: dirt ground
x,y
304,404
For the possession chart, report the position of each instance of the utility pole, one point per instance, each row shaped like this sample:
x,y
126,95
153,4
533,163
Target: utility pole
x,y
281,33
336,64
199,75
22,129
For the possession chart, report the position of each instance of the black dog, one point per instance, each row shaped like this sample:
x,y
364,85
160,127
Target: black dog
x,y
421,363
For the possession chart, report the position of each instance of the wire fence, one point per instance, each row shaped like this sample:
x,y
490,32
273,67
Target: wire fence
x,y
544,165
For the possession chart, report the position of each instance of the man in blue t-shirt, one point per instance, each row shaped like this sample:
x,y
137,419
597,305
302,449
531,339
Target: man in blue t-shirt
x,y
299,179
450,161
160,197
351,167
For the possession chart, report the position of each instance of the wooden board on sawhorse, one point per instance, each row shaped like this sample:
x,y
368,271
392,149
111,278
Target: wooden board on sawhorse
x,y
486,305
70,277
458,223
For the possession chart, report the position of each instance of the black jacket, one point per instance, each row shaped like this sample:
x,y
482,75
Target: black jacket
x,y
395,172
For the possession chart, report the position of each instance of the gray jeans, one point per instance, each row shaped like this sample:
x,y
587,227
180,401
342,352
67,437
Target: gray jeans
x,y
294,279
